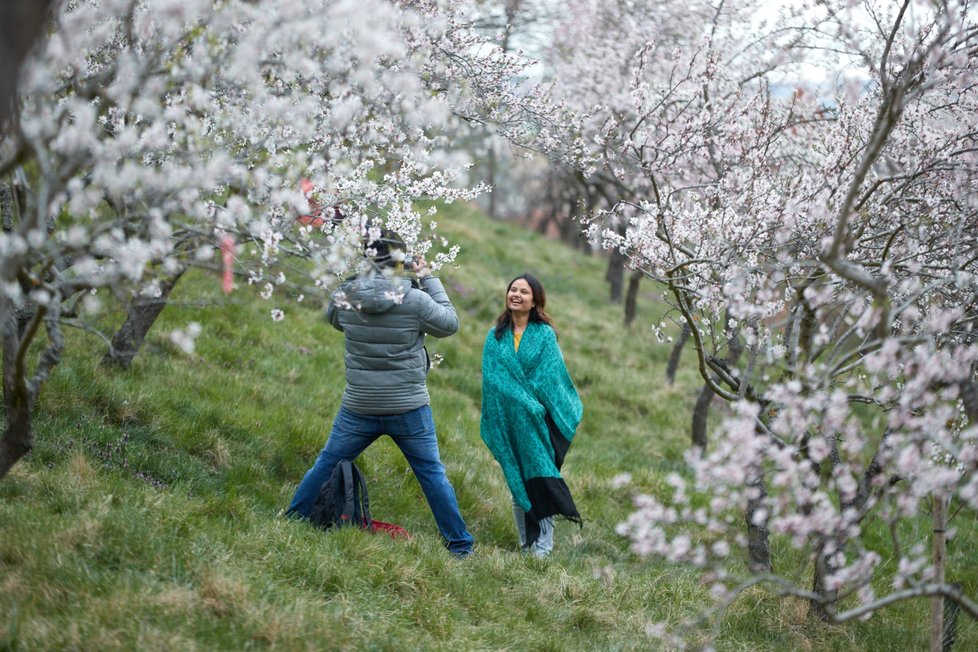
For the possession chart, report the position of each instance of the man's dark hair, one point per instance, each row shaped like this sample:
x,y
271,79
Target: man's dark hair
x,y
383,247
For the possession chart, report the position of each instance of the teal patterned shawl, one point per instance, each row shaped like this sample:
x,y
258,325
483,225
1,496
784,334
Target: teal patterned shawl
x,y
530,412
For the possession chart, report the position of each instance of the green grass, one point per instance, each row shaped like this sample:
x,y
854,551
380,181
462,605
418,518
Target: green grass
x,y
148,516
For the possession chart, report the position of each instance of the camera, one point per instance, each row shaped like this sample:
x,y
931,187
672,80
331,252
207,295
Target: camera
x,y
409,262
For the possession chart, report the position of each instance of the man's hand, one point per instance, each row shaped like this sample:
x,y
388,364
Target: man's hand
x,y
420,268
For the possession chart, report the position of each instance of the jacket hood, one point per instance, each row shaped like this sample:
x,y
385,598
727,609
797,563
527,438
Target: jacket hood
x,y
375,294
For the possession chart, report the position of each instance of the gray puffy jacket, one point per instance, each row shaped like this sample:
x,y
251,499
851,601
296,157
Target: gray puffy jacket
x,y
386,362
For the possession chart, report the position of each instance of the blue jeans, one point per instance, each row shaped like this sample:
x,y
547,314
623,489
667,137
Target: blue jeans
x,y
414,434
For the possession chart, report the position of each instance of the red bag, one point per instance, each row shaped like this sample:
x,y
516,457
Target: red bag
x,y
315,217
395,531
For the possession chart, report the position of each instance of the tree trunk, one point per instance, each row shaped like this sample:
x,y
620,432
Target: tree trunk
x,y
631,299
757,513
824,555
969,396
951,611
615,275
700,413
549,210
491,174
18,434
940,556
758,547
677,351
568,224
142,314
820,609
7,207
547,218
18,401
22,23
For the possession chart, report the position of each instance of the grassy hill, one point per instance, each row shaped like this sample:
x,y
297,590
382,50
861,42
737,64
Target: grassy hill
x,y
148,517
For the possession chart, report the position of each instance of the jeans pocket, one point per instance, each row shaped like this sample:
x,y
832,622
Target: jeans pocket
x,y
416,423
350,423
427,420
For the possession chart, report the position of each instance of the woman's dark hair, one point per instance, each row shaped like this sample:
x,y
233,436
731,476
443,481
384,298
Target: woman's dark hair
x,y
537,313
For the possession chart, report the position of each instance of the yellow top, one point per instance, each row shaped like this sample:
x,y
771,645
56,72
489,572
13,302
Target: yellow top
x,y
516,340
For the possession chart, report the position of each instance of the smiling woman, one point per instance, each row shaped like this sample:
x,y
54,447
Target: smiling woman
x,y
530,411
519,305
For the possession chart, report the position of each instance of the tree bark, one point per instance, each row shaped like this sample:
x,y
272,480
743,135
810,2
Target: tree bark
x,y
491,165
18,437
951,611
700,414
550,203
615,275
969,396
631,299
568,223
758,546
142,314
820,609
862,496
18,433
7,207
21,25
701,411
676,354
940,556
18,401
824,608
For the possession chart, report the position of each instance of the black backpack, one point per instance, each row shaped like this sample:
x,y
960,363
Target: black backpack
x,y
342,499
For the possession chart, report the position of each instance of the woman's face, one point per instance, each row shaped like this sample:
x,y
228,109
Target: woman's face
x,y
519,299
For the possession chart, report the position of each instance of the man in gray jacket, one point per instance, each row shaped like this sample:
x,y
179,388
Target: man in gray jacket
x,y
385,318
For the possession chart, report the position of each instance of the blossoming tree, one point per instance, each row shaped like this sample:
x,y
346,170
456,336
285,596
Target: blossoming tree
x,y
831,232
155,136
